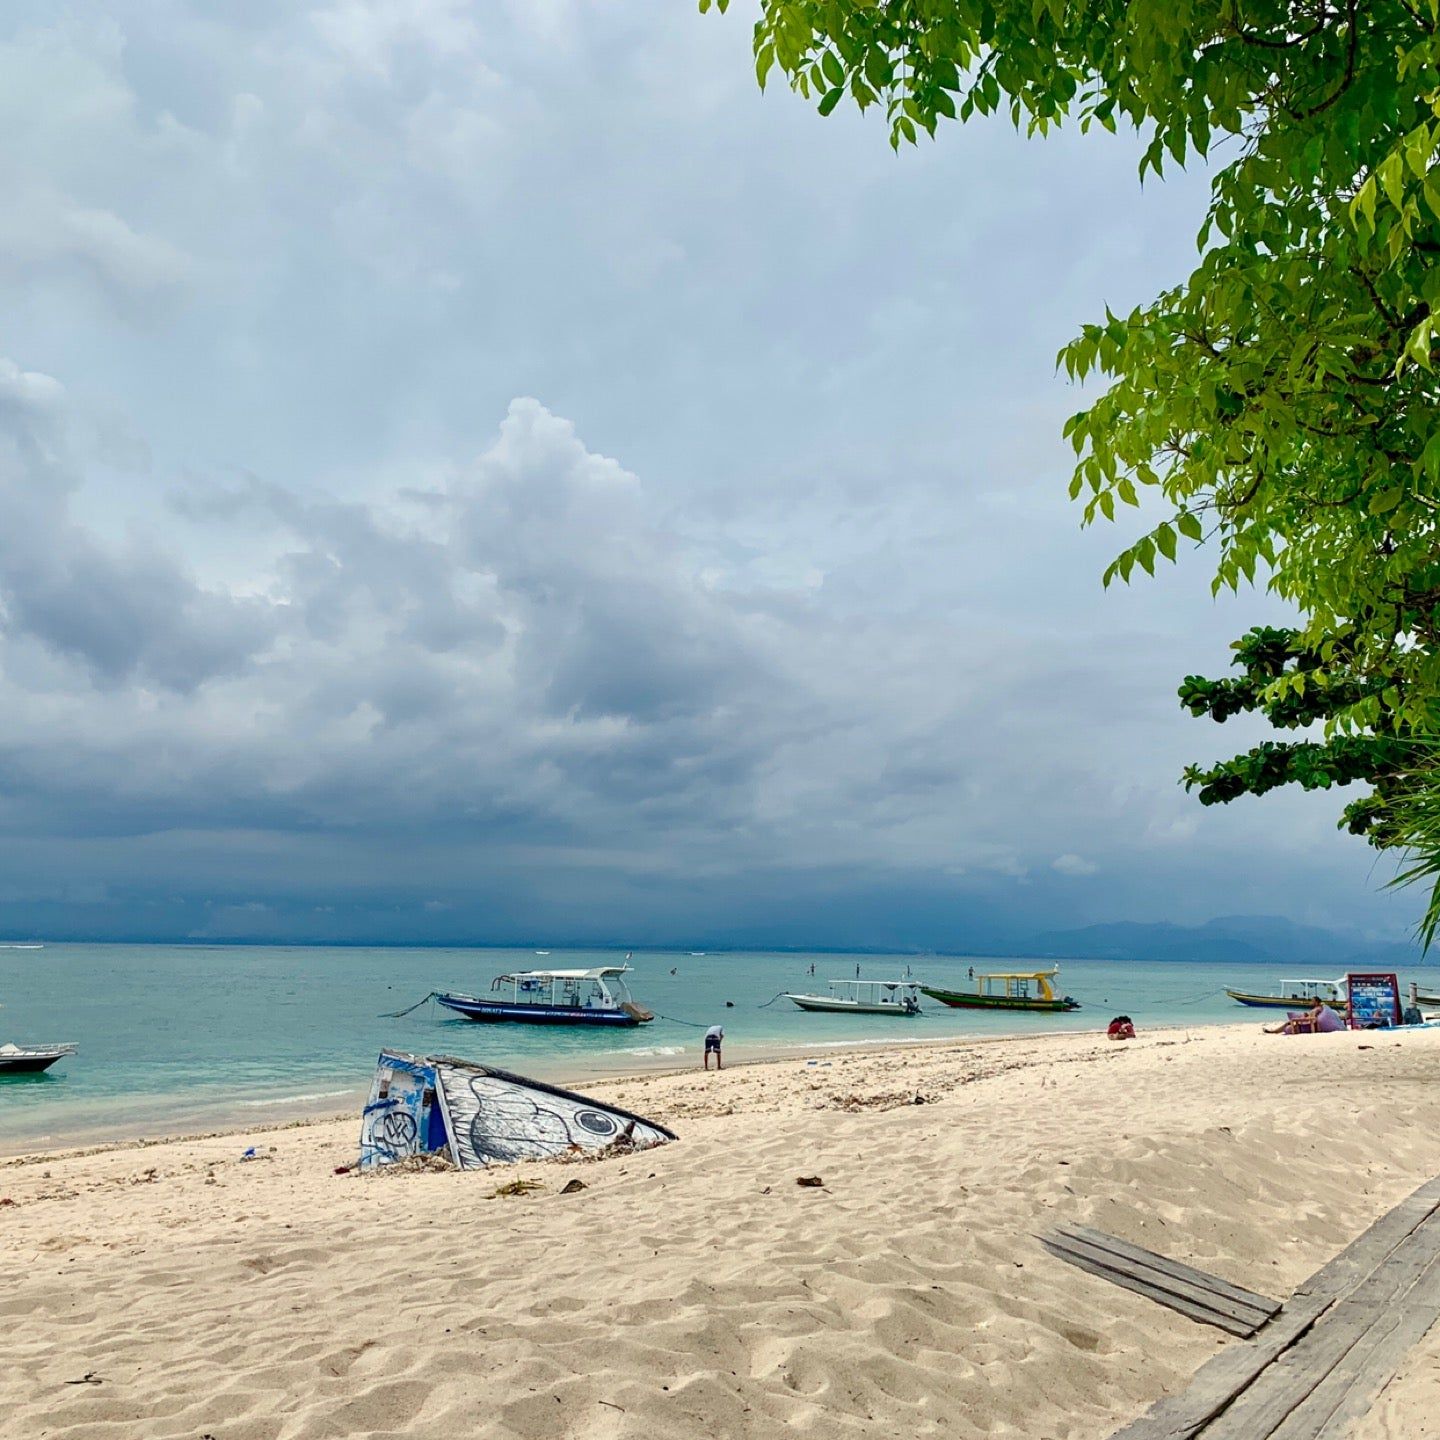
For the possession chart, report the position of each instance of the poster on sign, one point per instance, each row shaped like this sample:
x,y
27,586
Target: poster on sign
x,y
1374,1000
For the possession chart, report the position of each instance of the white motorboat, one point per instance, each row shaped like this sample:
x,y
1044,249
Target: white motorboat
x,y
31,1059
864,997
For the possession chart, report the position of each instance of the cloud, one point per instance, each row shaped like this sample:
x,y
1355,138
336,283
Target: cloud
x,y
766,612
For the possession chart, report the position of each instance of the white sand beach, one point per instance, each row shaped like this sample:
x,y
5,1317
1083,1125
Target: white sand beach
x,y
696,1290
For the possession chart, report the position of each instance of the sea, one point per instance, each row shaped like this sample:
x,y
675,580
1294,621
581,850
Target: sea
x,y
179,1039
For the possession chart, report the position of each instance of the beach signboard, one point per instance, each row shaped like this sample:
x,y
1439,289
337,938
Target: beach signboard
x,y
1374,999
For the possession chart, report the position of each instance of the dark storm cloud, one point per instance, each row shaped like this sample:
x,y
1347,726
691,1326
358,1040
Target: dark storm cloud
x,y
767,612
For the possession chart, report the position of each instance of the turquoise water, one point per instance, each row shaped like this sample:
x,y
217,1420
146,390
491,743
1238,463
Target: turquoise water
x,y
188,1037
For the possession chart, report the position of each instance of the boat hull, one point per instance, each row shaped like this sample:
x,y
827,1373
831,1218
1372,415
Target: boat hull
x,y
1277,1002
968,1000
27,1064
847,1007
505,1012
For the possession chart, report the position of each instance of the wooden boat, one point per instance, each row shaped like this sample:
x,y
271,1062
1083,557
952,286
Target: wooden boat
x,y
864,997
1298,994
31,1059
554,997
1023,990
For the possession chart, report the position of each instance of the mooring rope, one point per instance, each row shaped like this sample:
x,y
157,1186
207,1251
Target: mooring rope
x,y
398,1014
1195,1000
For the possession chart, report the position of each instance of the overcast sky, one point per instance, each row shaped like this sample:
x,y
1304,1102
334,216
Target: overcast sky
x,y
483,471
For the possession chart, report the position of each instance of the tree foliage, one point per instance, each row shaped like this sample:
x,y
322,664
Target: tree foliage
x,y
1269,658
1280,403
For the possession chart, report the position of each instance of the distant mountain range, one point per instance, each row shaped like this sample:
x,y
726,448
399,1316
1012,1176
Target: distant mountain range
x,y
1258,938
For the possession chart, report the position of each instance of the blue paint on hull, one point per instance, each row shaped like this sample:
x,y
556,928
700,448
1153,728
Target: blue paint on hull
x,y
493,1011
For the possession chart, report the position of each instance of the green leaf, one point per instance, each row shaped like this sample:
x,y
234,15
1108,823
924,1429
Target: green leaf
x,y
831,99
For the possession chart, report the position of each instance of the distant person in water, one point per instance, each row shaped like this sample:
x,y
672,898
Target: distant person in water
x,y
972,972
713,1038
857,972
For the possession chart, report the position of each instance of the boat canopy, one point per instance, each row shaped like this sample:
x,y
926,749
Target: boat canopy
x,y
1017,983
872,987
598,973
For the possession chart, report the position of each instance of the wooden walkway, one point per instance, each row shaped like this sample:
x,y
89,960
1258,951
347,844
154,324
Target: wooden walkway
x,y
1319,1363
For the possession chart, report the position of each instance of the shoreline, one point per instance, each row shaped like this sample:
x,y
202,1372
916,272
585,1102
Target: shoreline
x,y
229,1123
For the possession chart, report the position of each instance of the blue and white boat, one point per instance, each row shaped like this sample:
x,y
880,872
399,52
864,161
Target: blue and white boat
x,y
554,997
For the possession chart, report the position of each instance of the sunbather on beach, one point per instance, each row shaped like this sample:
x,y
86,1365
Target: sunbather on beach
x,y
1318,1019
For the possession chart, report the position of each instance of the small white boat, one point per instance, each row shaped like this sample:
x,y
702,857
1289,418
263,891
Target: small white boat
x,y
865,997
31,1059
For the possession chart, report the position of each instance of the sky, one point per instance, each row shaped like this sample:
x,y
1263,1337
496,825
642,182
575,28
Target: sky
x,y
486,472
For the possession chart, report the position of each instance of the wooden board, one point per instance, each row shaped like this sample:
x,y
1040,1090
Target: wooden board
x,y
1225,1376
1191,1292
1197,1284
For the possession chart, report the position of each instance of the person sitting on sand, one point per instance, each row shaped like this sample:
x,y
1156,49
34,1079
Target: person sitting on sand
x,y
1122,1027
1319,1019
713,1036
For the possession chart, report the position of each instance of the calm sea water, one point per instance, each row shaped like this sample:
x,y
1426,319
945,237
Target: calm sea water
x,y
186,1037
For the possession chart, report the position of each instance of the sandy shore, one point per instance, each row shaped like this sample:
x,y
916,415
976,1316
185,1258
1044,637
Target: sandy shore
x,y
696,1289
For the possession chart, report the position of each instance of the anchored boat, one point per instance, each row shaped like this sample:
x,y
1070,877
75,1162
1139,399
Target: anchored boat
x,y
31,1059
865,997
1025,990
554,997
1297,994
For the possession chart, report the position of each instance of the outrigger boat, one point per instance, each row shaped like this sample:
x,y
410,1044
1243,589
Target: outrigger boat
x,y
1297,994
1025,990
864,997
554,997
31,1059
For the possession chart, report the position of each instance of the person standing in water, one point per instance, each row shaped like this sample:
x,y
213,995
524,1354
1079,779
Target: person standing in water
x,y
713,1038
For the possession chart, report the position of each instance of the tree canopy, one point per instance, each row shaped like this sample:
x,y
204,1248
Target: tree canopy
x,y
1280,405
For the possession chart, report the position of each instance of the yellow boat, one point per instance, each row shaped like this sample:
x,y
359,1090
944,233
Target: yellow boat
x,y
1024,990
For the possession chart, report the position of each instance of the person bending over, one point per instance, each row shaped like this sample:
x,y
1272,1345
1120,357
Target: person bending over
x,y
713,1036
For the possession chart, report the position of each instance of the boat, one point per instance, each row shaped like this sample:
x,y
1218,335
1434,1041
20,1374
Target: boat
x,y
598,996
1297,994
1022,990
477,1116
31,1059
864,997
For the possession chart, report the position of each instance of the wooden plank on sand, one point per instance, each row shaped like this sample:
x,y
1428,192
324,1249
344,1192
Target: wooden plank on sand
x,y
1191,1297
1224,1376
1245,1303
1351,1387
1299,1393
1129,1280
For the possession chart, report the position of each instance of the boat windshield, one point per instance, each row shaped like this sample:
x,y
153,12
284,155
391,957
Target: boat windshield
x,y
1313,989
577,992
